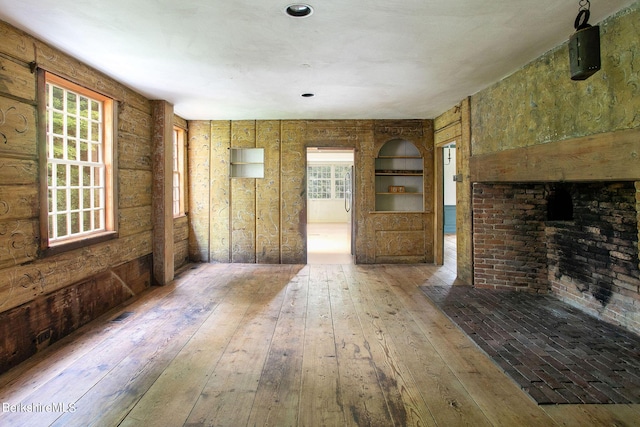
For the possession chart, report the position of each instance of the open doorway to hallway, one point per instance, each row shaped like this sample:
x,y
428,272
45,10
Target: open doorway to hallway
x,y
449,201
329,205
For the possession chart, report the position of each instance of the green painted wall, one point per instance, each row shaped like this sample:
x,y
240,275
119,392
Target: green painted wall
x,y
540,103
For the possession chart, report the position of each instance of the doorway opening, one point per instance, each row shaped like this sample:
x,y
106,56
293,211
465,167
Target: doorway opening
x,y
449,203
330,175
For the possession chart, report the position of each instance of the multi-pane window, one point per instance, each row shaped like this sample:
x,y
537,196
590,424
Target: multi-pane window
x,y
326,181
78,161
339,173
178,171
319,182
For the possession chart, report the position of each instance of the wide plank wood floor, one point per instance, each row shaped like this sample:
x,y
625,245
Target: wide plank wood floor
x,y
280,345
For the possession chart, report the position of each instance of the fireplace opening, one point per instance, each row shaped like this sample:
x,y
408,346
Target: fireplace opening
x,y
577,240
559,204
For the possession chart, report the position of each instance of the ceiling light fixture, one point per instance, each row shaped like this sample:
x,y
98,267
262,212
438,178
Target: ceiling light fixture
x,y
299,10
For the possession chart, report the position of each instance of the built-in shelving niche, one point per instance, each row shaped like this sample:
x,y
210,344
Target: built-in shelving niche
x,y
399,177
246,163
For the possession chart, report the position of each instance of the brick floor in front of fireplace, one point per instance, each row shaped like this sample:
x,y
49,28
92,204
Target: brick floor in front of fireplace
x,y
556,353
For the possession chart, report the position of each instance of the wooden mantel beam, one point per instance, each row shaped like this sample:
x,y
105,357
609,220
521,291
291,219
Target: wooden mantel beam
x,y
612,156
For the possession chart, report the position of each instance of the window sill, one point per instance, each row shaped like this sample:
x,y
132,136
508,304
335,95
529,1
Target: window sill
x,y
80,242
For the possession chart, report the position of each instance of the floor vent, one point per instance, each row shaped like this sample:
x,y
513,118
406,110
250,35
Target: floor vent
x,y
122,316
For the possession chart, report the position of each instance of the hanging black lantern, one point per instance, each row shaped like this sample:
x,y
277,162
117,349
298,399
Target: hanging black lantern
x,y
584,46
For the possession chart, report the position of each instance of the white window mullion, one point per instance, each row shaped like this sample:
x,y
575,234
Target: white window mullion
x,y
66,106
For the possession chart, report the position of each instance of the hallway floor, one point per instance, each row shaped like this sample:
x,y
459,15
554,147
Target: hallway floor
x,y
328,243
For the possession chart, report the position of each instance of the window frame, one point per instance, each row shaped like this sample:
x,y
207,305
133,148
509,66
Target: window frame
x,y
179,147
109,150
332,180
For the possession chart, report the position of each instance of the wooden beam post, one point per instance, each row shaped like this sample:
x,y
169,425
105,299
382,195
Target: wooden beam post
x,y
163,268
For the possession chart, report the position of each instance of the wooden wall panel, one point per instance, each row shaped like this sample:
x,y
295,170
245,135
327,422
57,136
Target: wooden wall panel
x,y
199,166
243,199
274,207
399,244
220,192
17,129
134,188
26,276
19,242
181,254
18,201
449,117
25,282
18,171
15,43
181,241
293,218
134,132
134,220
268,194
17,80
33,326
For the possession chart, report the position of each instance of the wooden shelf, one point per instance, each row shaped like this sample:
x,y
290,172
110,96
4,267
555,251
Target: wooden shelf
x,y
246,163
399,157
400,164
399,173
401,193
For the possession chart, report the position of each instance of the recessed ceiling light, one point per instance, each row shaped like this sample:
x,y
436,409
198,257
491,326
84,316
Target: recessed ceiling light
x,y
299,10
307,95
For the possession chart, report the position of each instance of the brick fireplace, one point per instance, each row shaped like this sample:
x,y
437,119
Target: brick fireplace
x,y
578,241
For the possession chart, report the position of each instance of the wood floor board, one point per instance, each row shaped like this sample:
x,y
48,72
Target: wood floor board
x,y
319,404
231,388
278,394
361,394
170,399
282,345
404,399
447,399
502,401
156,341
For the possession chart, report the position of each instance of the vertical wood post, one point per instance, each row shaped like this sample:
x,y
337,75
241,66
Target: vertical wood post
x,y
162,192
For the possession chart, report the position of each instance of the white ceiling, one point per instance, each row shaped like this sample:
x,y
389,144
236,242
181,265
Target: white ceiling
x,y
246,59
